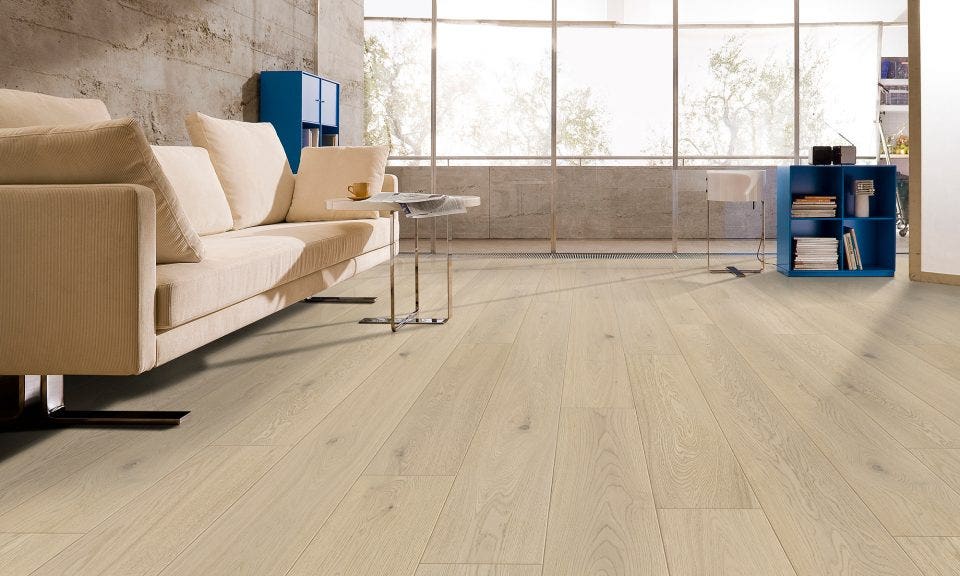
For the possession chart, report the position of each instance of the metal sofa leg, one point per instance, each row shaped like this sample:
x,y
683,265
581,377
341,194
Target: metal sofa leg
x,y
40,400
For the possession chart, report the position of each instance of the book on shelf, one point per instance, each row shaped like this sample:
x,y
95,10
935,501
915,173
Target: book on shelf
x,y
852,249
815,253
814,207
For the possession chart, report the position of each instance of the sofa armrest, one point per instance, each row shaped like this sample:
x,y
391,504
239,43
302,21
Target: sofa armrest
x,y
77,279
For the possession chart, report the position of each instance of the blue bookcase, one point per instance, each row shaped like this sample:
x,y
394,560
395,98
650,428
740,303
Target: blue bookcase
x,y
299,104
876,235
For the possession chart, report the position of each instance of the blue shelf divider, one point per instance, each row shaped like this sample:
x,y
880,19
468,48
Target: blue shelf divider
x,y
876,234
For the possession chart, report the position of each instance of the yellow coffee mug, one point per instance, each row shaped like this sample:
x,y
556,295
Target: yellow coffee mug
x,y
359,190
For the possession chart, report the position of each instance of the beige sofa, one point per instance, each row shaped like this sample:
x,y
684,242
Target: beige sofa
x,y
81,291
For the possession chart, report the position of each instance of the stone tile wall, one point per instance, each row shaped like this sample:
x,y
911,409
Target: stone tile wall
x,y
157,60
592,203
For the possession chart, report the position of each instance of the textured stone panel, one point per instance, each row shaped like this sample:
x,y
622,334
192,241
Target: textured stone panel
x,y
520,202
156,60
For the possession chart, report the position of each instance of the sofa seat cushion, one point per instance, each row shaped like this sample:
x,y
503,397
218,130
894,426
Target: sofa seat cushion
x,y
243,263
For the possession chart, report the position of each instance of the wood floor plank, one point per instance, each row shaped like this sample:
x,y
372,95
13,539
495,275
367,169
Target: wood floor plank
x,y
907,498
823,526
479,570
602,514
728,542
132,460
434,435
21,554
266,530
596,370
907,418
945,463
148,533
643,328
691,465
330,375
672,296
557,283
870,339
503,311
379,529
497,509
934,556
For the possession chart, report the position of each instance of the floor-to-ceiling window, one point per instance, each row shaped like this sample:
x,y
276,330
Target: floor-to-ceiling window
x,y
621,174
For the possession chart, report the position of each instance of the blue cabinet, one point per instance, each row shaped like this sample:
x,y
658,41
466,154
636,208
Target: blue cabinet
x,y
303,108
875,235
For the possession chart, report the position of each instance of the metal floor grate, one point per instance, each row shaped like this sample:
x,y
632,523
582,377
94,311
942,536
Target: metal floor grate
x,y
601,255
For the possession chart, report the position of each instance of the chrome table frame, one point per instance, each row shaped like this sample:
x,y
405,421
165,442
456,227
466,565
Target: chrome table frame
x,y
396,321
413,317
763,247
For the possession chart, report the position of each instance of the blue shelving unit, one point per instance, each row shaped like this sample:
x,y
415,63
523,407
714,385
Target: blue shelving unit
x,y
876,235
296,102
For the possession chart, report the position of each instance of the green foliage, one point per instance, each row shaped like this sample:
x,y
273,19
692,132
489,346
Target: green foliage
x,y
397,105
747,106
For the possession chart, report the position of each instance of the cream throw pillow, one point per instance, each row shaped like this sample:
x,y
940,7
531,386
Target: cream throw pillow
x,y
19,109
112,152
195,183
325,172
251,165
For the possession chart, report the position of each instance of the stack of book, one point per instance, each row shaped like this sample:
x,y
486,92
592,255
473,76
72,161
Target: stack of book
x,y
852,249
815,206
817,254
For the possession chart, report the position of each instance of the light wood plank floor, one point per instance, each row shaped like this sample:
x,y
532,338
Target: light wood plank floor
x,y
575,418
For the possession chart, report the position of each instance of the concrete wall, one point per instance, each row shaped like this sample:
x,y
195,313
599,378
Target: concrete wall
x,y
340,58
592,203
158,60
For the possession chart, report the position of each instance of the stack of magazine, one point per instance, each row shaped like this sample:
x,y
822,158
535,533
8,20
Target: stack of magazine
x,y
420,205
852,249
814,207
817,254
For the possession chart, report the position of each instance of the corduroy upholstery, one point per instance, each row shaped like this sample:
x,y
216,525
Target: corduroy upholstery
x,y
111,152
77,279
244,263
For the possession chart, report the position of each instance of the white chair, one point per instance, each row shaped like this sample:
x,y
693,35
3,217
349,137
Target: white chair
x,y
737,186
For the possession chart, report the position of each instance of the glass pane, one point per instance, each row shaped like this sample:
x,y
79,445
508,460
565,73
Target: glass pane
x,y
743,12
603,111
853,11
838,91
398,8
625,11
736,93
496,9
397,87
494,101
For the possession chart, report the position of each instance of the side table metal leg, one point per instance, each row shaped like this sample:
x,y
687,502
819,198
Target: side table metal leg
x,y
413,317
449,272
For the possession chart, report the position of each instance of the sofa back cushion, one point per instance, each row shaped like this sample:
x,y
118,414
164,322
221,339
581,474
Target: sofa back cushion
x,y
325,173
194,181
19,109
111,152
251,165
